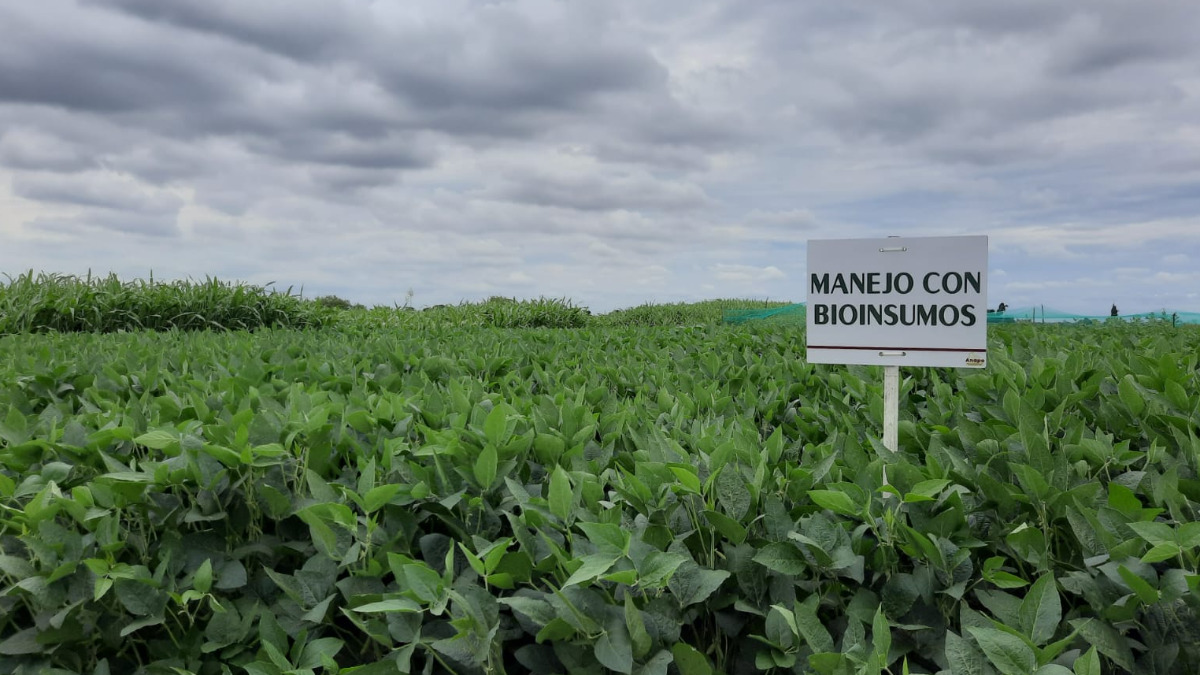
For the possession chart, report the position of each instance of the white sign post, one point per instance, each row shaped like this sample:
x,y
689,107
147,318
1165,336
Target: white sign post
x,y
898,301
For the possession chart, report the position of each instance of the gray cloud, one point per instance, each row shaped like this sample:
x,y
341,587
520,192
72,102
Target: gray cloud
x,y
614,150
598,192
33,149
104,223
97,189
299,29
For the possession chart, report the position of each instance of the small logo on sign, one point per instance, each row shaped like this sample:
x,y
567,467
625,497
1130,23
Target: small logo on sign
x,y
974,360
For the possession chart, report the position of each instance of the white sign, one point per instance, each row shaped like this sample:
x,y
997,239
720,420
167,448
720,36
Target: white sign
x,y
899,301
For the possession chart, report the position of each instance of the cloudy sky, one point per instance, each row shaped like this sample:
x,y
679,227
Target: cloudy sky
x,y
610,151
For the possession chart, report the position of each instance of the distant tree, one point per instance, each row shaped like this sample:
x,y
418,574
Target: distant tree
x,y
334,302
1113,311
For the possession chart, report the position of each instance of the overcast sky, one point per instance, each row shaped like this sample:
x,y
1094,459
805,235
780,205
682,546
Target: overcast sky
x,y
610,151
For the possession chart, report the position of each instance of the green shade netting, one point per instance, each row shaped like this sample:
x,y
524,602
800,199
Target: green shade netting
x,y
1051,315
795,313
786,313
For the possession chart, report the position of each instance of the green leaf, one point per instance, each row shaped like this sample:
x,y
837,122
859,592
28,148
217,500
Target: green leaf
x,y
689,661
422,581
222,454
692,584
732,494
1041,610
781,557
607,537
388,606
593,566
881,635
555,631
157,440
926,490
224,628
963,656
811,628
560,497
1145,592
775,629
636,626
728,527
485,465
1105,638
1127,390
1153,532
614,651
202,580
18,567
1161,552
1052,669
379,496
313,652
495,427
687,478
1088,663
319,610
657,665
836,501
657,568
1189,535
21,642
1008,653
138,624
536,610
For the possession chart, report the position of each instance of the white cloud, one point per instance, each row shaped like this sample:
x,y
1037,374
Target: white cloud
x,y
741,274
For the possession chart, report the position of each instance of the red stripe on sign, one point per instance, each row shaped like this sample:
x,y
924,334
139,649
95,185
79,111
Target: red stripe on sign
x,y
898,349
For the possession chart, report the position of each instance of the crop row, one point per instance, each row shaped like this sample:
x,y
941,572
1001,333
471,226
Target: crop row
x,y
627,500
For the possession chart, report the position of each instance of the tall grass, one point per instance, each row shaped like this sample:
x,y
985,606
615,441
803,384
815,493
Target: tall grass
x,y
495,312
541,313
706,312
41,303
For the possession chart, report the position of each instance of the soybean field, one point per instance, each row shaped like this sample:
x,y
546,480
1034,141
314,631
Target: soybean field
x,y
384,492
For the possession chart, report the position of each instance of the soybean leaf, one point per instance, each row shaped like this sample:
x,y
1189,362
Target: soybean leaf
x,y
836,501
202,580
691,583
1145,592
21,642
781,557
1008,653
690,661
657,568
157,440
1106,639
728,527
1088,663
613,649
593,566
657,665
636,625
732,494
811,628
963,656
389,605
1127,389
485,465
560,496
1153,532
1041,610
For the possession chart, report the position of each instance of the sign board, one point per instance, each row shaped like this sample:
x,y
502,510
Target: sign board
x,y
899,301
